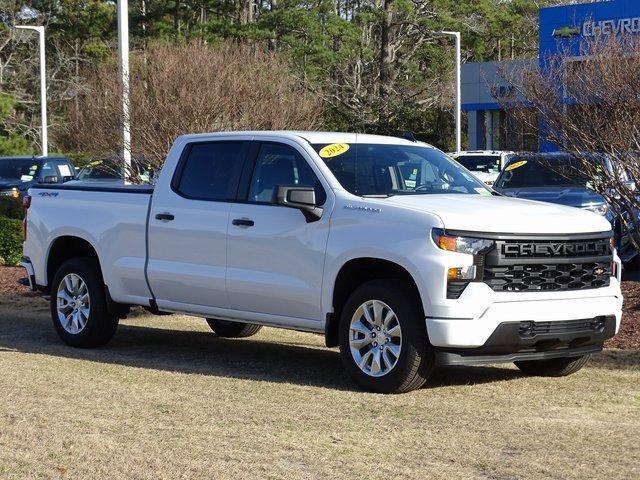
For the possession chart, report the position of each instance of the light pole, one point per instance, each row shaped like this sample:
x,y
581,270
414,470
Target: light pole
x,y
43,86
458,108
123,54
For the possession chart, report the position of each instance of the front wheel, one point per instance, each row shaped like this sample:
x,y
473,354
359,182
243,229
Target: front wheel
x,y
383,338
555,367
79,304
226,329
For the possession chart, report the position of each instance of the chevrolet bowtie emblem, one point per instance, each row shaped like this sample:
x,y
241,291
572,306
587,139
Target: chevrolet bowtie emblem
x,y
566,32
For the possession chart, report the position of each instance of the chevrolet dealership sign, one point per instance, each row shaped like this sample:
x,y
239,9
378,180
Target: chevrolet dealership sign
x,y
592,28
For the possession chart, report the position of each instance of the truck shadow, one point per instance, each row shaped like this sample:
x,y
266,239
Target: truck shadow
x,y
201,352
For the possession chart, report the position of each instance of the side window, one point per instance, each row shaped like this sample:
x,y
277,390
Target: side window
x,y
66,171
280,165
211,171
48,170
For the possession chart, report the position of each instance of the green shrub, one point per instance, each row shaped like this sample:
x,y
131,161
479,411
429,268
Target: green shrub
x,y
10,240
11,207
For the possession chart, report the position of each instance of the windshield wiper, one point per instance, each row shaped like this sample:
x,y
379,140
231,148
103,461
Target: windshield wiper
x,y
379,195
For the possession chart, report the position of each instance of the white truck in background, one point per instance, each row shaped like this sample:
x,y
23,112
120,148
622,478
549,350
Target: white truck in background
x,y
484,164
386,246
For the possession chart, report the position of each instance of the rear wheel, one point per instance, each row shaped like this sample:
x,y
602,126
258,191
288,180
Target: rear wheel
x,y
79,304
226,329
383,338
556,367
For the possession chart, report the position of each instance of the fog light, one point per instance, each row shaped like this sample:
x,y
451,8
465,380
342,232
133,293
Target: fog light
x,y
462,273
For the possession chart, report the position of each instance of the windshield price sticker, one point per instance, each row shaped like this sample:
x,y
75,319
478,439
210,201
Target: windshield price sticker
x,y
334,150
513,166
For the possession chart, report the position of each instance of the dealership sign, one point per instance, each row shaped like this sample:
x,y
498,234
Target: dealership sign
x,y
592,28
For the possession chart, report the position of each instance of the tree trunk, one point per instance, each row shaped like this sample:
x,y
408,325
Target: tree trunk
x,y
246,12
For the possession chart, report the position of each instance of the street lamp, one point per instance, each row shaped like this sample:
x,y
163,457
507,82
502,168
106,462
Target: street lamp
x,y
43,86
458,109
123,54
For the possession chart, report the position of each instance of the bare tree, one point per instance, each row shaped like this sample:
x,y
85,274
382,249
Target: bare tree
x,y
189,89
588,101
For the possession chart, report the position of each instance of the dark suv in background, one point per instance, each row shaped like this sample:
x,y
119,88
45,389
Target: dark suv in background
x,y
555,178
18,174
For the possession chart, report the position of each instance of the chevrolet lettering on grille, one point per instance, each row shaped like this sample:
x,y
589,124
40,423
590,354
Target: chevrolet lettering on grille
x,y
555,249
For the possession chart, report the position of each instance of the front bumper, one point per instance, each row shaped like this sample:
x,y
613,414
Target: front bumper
x,y
514,341
480,312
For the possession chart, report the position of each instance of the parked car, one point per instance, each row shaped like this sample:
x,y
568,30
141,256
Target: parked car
x,y
320,232
555,178
484,164
17,174
110,170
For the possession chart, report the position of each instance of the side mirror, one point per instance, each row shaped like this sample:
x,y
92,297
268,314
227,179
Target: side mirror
x,y
50,179
302,198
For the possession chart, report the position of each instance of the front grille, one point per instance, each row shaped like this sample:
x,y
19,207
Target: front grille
x,y
548,276
571,263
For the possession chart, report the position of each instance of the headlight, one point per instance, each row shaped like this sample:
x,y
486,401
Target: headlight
x,y
601,209
12,192
469,245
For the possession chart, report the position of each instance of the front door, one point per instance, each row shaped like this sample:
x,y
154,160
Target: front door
x,y
275,257
188,226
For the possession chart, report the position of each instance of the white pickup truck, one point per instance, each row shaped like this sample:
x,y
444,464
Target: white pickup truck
x,y
394,252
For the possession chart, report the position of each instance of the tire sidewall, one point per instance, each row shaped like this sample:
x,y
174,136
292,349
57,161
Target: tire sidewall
x,y
415,350
88,270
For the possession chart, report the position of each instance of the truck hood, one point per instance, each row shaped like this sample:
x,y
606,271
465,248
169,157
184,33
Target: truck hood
x,y
6,183
497,214
570,196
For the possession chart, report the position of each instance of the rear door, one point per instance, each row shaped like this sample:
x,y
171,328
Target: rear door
x,y
276,258
188,226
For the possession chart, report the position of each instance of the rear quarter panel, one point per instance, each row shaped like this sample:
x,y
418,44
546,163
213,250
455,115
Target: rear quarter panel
x,y
114,223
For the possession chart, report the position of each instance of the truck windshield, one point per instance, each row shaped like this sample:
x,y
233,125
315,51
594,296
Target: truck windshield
x,y
480,163
536,173
23,169
384,170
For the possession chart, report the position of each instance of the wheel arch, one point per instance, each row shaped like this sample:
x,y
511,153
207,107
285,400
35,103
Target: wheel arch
x,y
354,273
66,247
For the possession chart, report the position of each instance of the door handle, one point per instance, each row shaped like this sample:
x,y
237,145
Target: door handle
x,y
243,222
165,216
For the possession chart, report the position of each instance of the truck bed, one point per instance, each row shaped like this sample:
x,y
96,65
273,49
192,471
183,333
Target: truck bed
x,y
112,218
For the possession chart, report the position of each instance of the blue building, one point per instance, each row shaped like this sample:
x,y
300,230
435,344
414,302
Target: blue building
x,y
561,27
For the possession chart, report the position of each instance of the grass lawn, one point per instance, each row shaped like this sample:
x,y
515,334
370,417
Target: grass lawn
x,y
167,399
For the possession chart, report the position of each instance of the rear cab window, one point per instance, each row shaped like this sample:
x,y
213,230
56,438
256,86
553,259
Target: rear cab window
x,y
480,163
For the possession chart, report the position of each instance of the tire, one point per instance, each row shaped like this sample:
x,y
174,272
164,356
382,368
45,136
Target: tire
x,y
92,325
556,367
227,329
405,371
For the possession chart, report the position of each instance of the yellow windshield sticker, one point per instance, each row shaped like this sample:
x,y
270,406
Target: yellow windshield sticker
x,y
513,166
334,150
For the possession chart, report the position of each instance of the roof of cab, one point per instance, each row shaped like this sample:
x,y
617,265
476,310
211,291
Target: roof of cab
x,y
314,137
